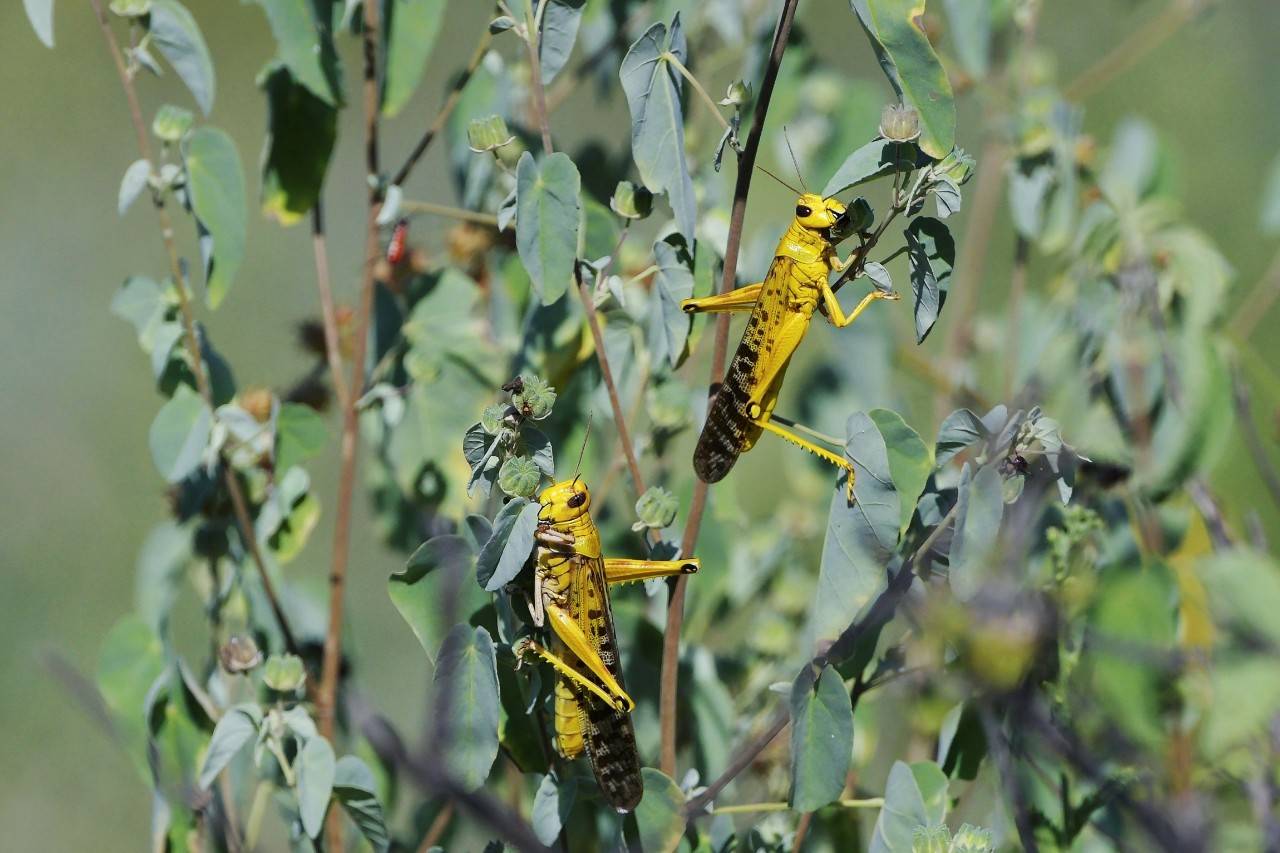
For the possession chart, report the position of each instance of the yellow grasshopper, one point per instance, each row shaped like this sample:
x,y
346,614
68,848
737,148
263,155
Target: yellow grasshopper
x,y
781,307
570,592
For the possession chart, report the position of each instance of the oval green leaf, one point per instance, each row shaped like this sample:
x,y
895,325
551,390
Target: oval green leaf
x,y
821,739
465,691
176,35
981,507
418,599
548,212
507,550
305,46
356,790
215,182
660,815
411,28
316,767
910,461
179,434
40,14
932,255
236,728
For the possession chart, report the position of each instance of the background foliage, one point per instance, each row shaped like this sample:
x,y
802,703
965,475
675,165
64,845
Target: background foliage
x,y
1147,687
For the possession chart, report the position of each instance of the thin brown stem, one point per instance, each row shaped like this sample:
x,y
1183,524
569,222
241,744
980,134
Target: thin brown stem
x,y
190,335
438,826
328,312
742,186
1133,48
1259,301
538,96
446,110
331,663
1244,416
1013,327
802,830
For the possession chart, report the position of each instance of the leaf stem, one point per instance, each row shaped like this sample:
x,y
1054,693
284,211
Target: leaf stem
x,y
446,109
451,212
190,335
742,185
750,808
1133,48
674,60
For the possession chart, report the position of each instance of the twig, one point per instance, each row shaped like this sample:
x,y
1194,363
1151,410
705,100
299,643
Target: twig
x,y
751,808
328,313
446,109
1133,48
538,97
436,831
742,185
1013,328
331,662
451,212
190,336
1211,512
1003,755
1259,301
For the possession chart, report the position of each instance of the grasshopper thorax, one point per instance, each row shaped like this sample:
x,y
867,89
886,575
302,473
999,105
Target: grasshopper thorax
x,y
565,501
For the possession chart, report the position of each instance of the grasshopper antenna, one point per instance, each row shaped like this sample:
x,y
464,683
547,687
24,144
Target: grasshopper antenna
x,y
779,180
794,162
577,471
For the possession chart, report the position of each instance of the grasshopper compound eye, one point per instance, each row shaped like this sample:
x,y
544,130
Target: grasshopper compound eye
x,y
578,499
802,210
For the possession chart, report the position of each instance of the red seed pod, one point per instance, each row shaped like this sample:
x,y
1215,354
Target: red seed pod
x,y
399,242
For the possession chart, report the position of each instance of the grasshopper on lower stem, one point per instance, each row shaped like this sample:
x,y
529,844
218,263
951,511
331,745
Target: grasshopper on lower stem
x,y
781,307
570,593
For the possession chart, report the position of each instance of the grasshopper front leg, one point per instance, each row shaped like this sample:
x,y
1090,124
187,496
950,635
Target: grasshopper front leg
x,y
526,646
570,633
836,314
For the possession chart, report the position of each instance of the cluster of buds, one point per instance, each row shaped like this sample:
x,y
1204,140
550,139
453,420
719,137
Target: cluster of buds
x,y
502,441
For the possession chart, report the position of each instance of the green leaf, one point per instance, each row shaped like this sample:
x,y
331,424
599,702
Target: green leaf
x,y
821,739
538,446
40,14
179,434
160,572
548,212
915,795
412,27
877,158
301,132
300,435
132,184
176,35
912,67
960,430
932,253
1246,697
1269,219
215,183
316,768
447,561
131,660
981,507
356,790
443,327
506,552
660,815
560,20
1134,612
962,743
970,29
668,324
860,537
1244,592
144,304
552,805
289,514
653,91
465,690
910,462
238,725
305,46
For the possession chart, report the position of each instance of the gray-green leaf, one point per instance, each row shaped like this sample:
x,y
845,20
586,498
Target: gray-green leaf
x,y
915,795
40,14
316,768
821,739
1270,214
910,462
877,158
180,433
355,788
216,184
505,553
668,324
413,26
547,221
465,691
981,507
176,35
300,435
447,561
660,815
552,805
132,184
932,254
657,123
305,46
237,727
560,20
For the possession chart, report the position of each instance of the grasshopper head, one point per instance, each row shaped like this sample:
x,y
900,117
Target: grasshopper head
x,y
564,501
817,213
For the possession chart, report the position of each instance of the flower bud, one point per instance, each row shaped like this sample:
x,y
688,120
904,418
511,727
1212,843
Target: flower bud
x,y
171,123
239,654
284,673
737,95
958,166
519,477
656,508
488,134
899,123
258,403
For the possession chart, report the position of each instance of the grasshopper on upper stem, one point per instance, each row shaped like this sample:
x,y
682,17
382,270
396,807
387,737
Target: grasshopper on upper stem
x,y
570,593
781,307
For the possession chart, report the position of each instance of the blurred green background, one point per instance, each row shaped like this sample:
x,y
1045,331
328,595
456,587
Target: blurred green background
x,y
79,491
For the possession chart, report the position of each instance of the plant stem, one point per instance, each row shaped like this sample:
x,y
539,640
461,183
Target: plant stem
x,y
1013,320
538,97
190,336
1244,415
328,313
674,60
1259,301
751,808
446,109
451,212
438,825
1133,48
742,185
331,663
